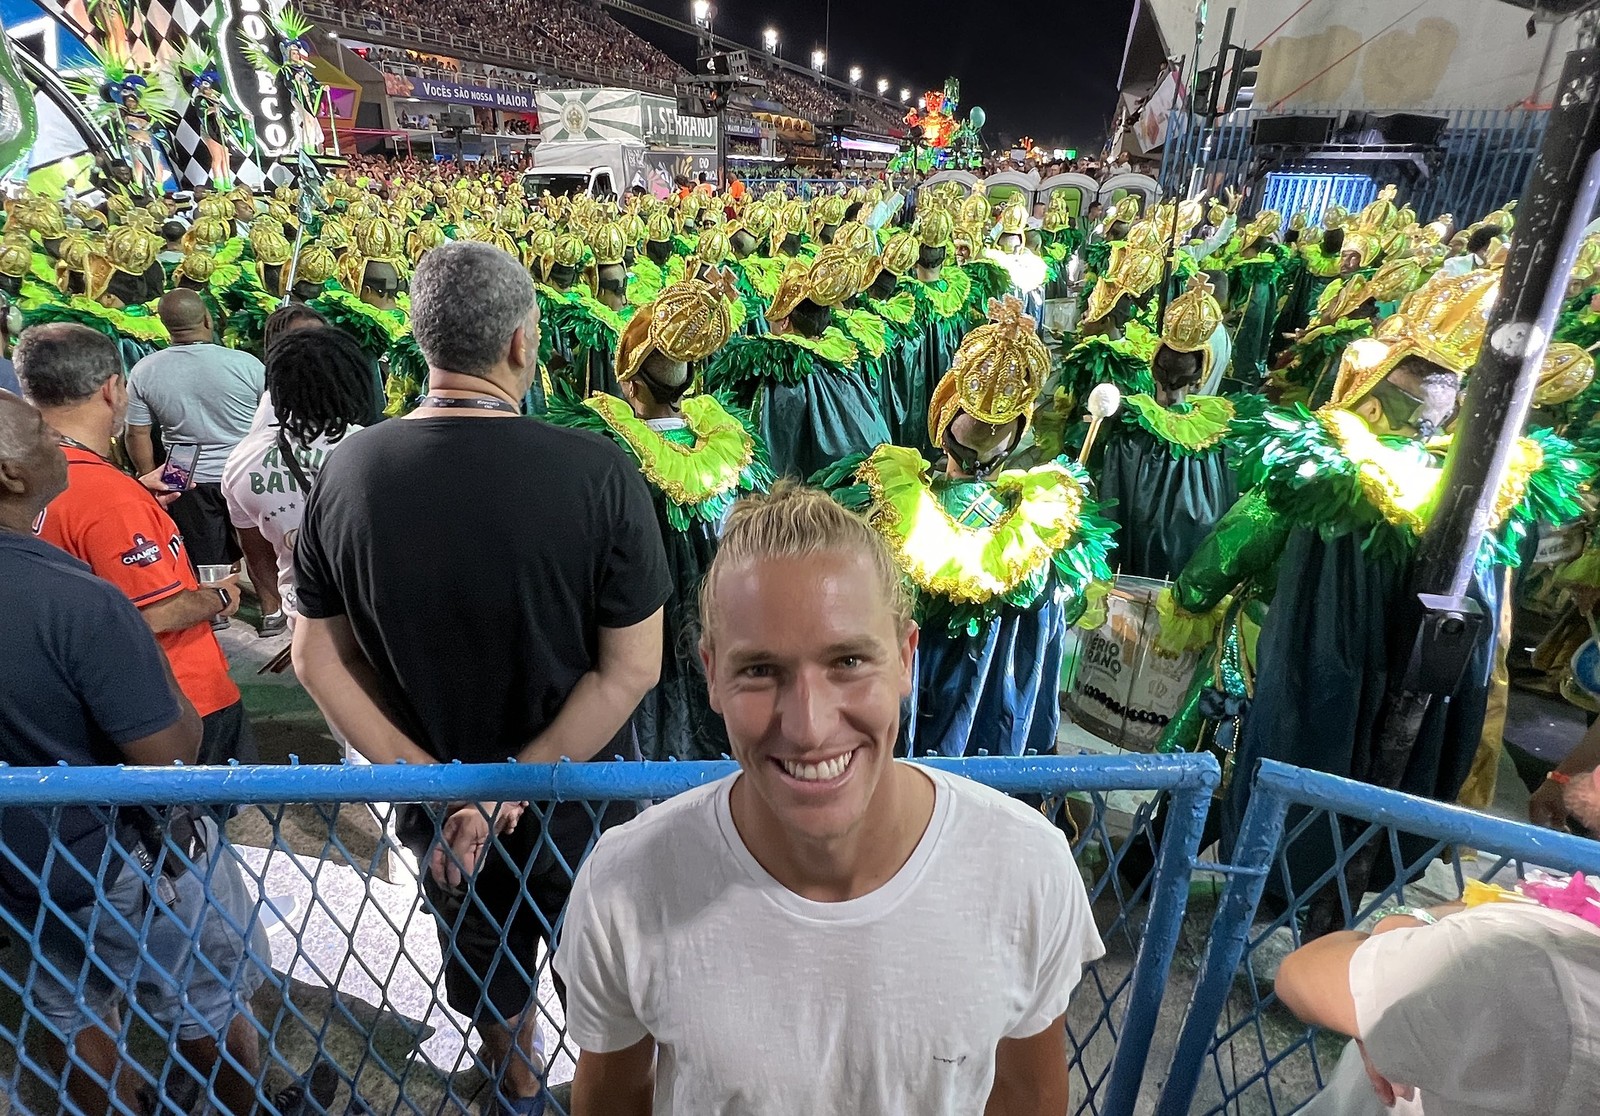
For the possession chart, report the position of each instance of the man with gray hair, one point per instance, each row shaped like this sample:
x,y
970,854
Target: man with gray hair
x,y
480,587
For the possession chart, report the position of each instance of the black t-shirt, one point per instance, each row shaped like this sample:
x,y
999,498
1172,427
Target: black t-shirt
x,y
83,677
476,560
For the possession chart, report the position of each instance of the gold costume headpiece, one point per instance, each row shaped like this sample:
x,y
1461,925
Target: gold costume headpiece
x,y
934,229
1132,271
131,249
1567,370
610,244
1443,322
1014,220
1191,320
996,374
688,321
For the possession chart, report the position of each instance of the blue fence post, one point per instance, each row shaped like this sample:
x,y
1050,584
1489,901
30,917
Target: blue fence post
x,y
1186,818
1259,835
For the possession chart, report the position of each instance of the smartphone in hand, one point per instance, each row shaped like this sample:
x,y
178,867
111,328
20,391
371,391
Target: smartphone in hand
x,y
178,472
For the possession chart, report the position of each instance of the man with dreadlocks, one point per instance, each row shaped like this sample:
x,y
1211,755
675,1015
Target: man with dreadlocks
x,y
320,383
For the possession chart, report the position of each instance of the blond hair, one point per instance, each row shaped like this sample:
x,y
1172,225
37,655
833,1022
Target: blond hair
x,y
793,521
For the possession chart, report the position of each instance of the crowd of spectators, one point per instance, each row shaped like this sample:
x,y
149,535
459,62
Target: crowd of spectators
x,y
799,95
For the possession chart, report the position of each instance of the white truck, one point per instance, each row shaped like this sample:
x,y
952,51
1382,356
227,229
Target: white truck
x,y
567,168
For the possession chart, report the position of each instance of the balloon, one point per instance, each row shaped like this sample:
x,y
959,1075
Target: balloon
x,y
976,116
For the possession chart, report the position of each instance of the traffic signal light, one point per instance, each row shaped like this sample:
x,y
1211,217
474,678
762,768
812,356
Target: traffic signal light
x,y
1204,101
1242,80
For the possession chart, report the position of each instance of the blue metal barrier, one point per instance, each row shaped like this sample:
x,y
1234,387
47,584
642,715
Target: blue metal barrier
x,y
328,917
1261,1059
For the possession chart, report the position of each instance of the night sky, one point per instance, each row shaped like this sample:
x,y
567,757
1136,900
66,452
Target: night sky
x,y
1043,68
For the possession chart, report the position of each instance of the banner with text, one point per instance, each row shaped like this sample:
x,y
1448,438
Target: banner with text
x,y
459,93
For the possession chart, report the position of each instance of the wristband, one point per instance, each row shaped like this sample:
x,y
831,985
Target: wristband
x,y
1559,778
1400,909
223,594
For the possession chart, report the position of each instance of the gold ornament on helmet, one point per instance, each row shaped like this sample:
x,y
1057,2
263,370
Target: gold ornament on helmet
x,y
1014,219
131,249
610,244
208,232
1443,322
1132,271
835,276
88,215
1146,236
1262,225
196,267
569,251
1395,279
791,290
269,244
899,256
935,229
1376,215
214,205
421,240
974,210
853,236
317,265
688,321
1124,211
1192,317
996,374
1057,212
45,220
16,257
1567,370
789,220
827,210
714,247
120,205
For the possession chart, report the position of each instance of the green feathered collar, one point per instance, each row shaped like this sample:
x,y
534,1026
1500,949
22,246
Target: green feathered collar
x,y
865,328
785,358
1197,425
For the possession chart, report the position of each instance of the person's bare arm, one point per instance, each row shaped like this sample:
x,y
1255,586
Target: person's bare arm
x,y
621,1083
339,679
1030,1075
627,666
1314,982
142,448
262,562
1547,806
191,607
179,742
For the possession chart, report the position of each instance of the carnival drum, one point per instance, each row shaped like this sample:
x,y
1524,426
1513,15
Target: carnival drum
x,y
1126,690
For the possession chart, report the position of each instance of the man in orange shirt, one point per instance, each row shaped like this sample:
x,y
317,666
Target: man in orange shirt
x,y
114,523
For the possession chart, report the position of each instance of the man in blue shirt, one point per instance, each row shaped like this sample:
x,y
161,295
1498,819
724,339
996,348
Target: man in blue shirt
x,y
86,684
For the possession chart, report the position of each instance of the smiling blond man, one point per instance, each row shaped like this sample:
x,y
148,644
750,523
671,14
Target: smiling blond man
x,y
828,930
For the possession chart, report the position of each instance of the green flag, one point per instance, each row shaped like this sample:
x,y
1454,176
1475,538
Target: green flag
x,y
19,119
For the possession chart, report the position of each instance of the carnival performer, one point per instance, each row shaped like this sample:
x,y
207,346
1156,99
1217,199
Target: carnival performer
x,y
1002,560
293,65
1336,500
811,402
698,455
225,130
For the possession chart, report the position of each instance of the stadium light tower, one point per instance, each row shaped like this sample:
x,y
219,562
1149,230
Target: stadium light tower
x,y
855,75
905,96
769,39
702,12
883,86
819,58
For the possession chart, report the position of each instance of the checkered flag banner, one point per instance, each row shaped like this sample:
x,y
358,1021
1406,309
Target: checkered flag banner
x,y
157,32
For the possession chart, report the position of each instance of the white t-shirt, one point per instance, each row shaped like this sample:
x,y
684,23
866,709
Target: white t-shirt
x,y
762,1001
262,492
1493,1012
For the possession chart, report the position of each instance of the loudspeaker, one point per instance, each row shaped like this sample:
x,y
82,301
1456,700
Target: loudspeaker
x,y
1408,127
455,116
1290,131
843,118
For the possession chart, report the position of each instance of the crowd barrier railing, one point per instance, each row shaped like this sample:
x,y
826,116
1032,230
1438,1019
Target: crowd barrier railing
x,y
1239,1050
311,887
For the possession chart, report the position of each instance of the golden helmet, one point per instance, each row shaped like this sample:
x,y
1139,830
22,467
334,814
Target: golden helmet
x,y
935,229
1057,212
16,257
1334,217
427,236
335,234
853,236
899,256
283,214
197,266
828,210
756,220
1443,322
287,194
633,228
88,215
268,243
376,239
974,210
1014,219
1192,318
790,218
791,289
688,321
569,251
214,205
132,249
1132,271
714,247
1364,244
1124,211
996,374
1263,224
317,264
1503,217
835,276
1567,370
120,205
1146,235
1377,213
541,247
46,220
610,244
1395,279
659,227
208,232
76,248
